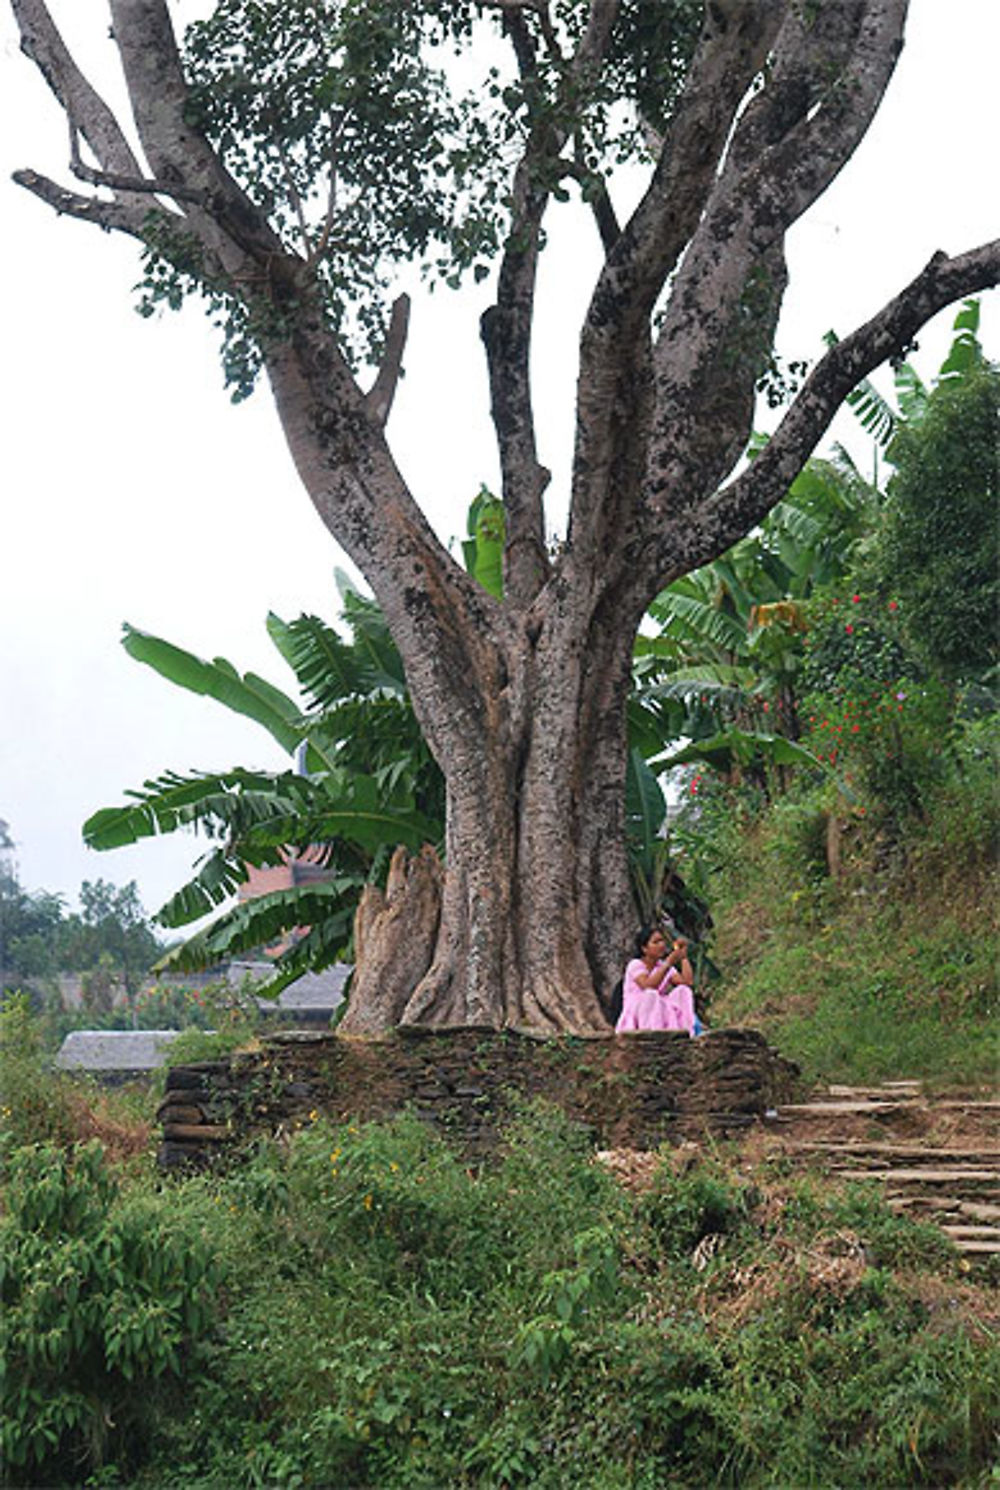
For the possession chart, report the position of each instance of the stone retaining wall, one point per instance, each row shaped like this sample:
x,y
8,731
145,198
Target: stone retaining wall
x,y
632,1090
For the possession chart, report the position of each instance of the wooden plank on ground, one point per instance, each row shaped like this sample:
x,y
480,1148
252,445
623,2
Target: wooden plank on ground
x,y
838,1109
980,1210
989,1232
892,1150
956,1104
918,1200
890,1091
925,1176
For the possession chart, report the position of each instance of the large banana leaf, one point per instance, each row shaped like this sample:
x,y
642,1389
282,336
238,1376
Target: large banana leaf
x,y
265,809
645,805
249,694
208,799
373,640
965,352
327,908
911,394
327,668
688,618
482,551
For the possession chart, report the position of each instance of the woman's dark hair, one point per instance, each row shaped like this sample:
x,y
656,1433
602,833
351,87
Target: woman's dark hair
x,y
643,935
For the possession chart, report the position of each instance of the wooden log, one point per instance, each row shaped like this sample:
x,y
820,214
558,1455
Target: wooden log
x,y
984,1248
989,1232
197,1096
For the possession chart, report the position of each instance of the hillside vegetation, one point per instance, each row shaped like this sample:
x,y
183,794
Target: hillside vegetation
x,y
887,968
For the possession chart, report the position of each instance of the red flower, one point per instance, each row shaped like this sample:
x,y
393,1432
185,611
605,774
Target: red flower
x,y
893,605
856,599
849,629
855,728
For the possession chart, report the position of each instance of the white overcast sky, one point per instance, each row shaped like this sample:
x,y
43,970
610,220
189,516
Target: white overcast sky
x,y
132,489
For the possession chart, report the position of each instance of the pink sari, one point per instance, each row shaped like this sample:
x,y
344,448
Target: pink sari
x,y
666,1005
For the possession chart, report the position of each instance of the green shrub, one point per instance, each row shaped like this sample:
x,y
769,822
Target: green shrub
x,y
34,1104
103,1298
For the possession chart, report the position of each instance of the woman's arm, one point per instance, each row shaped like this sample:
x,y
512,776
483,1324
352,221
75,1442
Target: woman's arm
x,y
677,968
651,978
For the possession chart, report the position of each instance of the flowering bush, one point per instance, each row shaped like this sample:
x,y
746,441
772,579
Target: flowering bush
x,y
869,712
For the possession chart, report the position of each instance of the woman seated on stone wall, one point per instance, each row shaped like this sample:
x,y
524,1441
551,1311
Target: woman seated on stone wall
x,y
657,990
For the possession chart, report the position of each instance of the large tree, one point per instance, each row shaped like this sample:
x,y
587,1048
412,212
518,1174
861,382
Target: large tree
x,y
295,150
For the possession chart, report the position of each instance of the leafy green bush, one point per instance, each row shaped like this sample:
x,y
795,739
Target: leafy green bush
x,y
34,1105
103,1297
391,1318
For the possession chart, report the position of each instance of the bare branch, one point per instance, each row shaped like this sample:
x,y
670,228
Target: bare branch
x,y
111,216
88,115
234,228
614,405
745,501
86,110
141,185
597,193
825,86
383,390
323,241
731,50
593,43
506,327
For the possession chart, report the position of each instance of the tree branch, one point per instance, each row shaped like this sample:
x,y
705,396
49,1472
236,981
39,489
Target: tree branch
x,y
795,135
85,109
614,404
383,390
746,500
111,216
233,231
140,185
506,327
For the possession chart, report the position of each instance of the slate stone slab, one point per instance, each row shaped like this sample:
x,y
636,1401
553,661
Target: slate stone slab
x,y
115,1050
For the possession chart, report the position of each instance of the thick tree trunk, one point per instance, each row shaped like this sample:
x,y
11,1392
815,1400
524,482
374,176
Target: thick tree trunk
x,y
535,906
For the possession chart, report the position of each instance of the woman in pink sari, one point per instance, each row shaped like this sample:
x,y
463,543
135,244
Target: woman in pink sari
x,y
656,994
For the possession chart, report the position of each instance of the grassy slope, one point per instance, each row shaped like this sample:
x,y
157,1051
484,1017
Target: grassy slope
x,y
890,969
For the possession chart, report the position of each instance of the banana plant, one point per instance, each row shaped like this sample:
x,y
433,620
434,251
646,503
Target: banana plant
x,y
366,782
726,655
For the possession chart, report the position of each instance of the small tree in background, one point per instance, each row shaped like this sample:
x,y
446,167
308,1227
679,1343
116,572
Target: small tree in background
x,y
939,550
